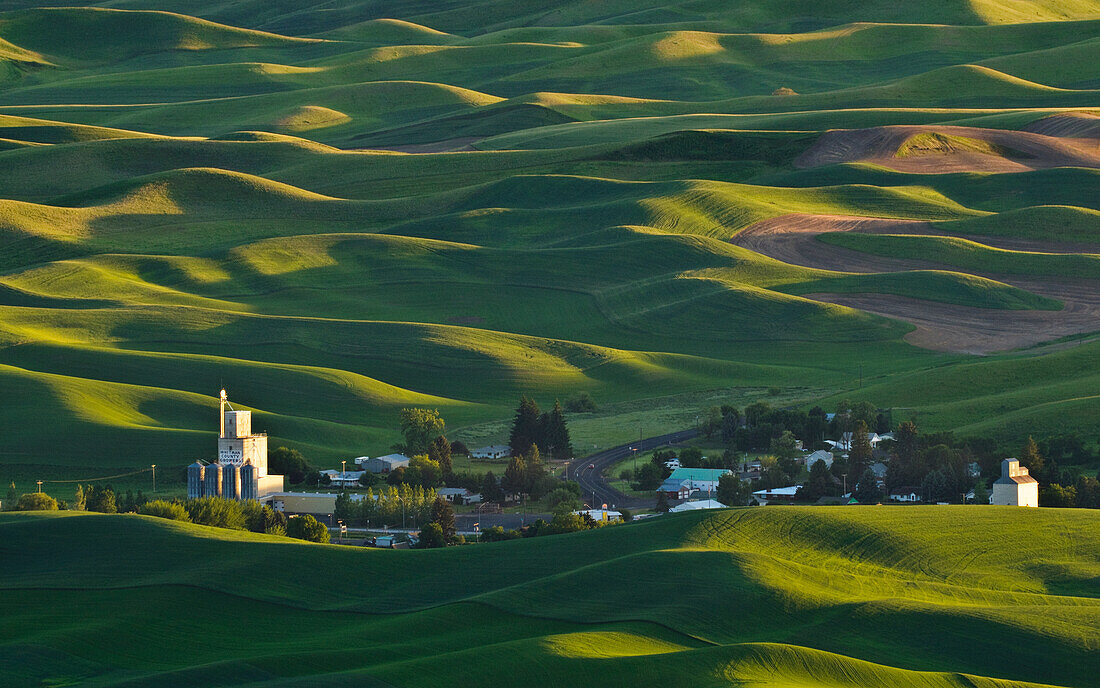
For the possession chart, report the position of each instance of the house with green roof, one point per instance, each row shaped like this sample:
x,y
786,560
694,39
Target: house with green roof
x,y
699,478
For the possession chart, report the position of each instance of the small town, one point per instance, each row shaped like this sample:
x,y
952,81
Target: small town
x,y
549,344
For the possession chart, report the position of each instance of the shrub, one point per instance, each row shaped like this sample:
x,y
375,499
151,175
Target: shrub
x,y
216,511
36,501
173,511
307,528
497,533
431,537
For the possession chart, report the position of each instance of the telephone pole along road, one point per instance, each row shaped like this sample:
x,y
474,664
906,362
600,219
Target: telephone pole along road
x,y
594,488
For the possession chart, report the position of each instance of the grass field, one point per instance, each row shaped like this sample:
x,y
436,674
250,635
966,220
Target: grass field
x,y
338,212
922,596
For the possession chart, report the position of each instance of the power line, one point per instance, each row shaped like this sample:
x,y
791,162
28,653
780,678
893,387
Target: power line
x,y
92,480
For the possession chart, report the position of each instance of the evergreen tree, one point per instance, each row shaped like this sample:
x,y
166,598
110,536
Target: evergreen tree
x,y
440,451
526,427
78,500
859,455
1031,459
867,491
821,483
981,494
515,476
662,503
343,510
732,491
556,435
490,491
444,515
534,472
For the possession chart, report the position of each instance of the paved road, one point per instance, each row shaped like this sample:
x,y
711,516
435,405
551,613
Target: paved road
x,y
594,487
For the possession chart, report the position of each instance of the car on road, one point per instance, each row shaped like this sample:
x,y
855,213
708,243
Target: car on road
x,y
591,465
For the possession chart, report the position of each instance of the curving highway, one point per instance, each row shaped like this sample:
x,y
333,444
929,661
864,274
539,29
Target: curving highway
x,y
594,488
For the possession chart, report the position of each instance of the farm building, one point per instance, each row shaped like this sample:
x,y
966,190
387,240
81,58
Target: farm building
x,y
697,505
493,451
240,471
343,478
776,494
705,479
905,494
458,495
1015,487
601,514
819,455
316,503
385,464
675,489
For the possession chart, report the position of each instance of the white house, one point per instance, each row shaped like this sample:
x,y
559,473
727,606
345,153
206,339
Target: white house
x,y
458,495
493,451
343,479
845,441
1015,487
905,494
819,455
776,494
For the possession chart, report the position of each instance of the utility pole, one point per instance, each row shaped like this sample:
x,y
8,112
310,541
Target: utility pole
x,y
343,474
154,467
40,486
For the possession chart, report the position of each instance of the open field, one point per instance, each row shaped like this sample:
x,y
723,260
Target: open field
x,y
926,596
338,212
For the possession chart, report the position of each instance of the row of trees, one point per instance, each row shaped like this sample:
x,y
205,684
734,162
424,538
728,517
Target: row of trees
x,y
387,505
97,498
547,431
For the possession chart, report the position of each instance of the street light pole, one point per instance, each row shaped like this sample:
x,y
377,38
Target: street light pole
x,y
40,486
154,467
343,474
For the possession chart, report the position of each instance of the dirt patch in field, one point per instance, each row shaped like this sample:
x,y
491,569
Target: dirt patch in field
x,y
1074,125
1015,151
449,146
940,326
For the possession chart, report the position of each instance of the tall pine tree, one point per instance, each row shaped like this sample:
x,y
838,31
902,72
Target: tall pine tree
x,y
859,455
555,437
526,428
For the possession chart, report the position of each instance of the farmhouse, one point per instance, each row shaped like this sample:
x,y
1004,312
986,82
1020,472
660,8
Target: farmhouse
x,y
819,455
458,495
493,451
699,478
240,471
905,494
675,489
385,464
1015,487
343,478
776,494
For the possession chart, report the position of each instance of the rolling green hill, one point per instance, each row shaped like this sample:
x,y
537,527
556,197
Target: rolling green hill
x,y
921,596
337,210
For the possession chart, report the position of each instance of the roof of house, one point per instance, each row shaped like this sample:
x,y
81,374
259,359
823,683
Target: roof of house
x,y
819,455
701,504
879,469
779,491
699,473
443,491
672,485
390,458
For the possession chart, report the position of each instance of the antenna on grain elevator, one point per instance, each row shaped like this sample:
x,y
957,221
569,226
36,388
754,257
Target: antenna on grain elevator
x,y
221,414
